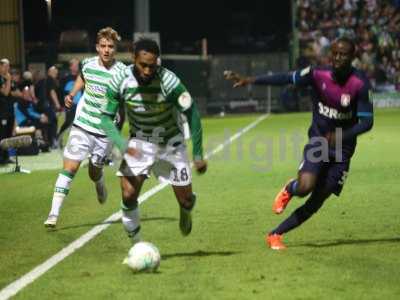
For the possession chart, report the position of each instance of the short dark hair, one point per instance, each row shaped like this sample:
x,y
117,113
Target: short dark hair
x,y
147,45
345,39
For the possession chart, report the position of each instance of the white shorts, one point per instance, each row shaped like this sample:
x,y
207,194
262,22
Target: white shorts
x,y
82,144
169,164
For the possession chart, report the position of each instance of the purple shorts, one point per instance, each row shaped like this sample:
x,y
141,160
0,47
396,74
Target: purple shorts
x,y
331,174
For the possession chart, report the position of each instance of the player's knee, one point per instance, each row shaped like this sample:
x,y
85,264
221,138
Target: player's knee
x,y
129,195
129,204
187,200
71,166
303,189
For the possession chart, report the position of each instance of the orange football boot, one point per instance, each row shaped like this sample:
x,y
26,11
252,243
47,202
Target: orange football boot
x,y
281,200
274,241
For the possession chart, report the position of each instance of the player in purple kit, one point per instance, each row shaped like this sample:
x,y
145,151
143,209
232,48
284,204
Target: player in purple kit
x,y
342,110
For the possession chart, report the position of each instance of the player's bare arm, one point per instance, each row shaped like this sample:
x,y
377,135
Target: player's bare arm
x,y
78,85
238,80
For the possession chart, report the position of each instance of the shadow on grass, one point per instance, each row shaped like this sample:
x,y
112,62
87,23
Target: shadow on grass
x,y
165,219
340,242
199,253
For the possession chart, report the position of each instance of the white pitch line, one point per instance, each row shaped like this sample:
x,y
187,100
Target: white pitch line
x,y
14,287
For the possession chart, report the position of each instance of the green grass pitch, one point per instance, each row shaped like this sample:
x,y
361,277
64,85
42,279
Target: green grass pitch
x,y
349,250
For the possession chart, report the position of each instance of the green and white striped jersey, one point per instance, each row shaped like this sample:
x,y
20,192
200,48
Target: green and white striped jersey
x,y
153,110
96,78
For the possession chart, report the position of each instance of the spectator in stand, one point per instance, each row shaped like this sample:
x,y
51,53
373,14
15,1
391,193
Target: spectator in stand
x,y
397,74
374,25
27,87
26,115
47,92
6,108
15,93
371,5
15,83
68,85
53,94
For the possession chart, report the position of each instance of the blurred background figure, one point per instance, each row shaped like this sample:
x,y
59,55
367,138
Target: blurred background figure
x,y
16,80
27,114
6,107
47,91
27,88
68,84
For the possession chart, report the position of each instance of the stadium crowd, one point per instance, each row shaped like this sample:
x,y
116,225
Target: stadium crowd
x,y
33,100
373,24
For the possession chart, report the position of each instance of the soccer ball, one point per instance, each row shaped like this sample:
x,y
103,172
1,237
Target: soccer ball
x,y
143,256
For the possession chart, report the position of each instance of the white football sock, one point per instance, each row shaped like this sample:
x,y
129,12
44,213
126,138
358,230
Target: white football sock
x,y
131,222
60,191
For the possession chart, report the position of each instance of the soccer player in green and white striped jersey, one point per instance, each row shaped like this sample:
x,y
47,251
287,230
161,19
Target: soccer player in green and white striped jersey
x,y
154,98
86,137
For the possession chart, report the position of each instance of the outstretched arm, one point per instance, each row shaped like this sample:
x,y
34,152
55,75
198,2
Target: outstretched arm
x,y
265,79
300,77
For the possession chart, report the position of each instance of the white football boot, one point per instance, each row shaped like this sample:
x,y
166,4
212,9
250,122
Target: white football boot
x,y
51,221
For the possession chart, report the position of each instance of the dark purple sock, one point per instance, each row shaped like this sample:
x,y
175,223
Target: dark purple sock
x,y
303,213
293,221
292,187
